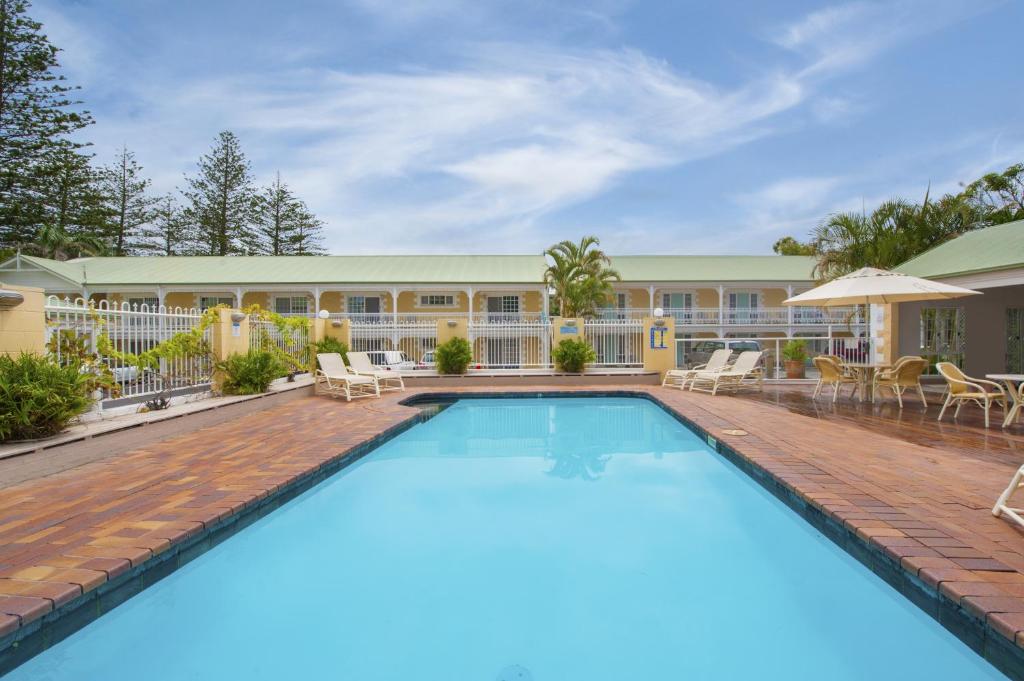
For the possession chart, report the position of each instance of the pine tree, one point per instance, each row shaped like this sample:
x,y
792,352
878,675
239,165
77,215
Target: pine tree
x,y
285,226
37,113
221,200
167,233
308,236
129,206
70,201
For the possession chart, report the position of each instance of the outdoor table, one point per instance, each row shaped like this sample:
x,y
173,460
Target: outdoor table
x,y
865,376
1011,381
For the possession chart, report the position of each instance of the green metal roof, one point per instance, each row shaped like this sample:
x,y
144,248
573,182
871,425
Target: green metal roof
x,y
714,268
984,250
333,269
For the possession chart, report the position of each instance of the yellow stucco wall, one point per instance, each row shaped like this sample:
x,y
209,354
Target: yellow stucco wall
x,y
23,328
332,301
180,299
261,298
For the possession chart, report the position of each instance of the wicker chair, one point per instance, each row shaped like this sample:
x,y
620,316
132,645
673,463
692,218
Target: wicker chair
x,y
905,373
963,388
830,372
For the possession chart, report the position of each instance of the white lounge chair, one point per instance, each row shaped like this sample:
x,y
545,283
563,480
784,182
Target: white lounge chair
x,y
743,373
359,363
680,377
333,378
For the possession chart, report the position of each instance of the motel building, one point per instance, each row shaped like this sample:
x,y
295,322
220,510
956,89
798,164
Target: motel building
x,y
394,302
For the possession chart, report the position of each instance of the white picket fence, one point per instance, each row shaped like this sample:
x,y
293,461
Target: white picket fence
x,y
413,334
294,341
511,342
74,327
617,342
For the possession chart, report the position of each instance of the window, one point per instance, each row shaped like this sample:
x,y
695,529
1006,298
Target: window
x,y
436,300
151,303
503,304
363,305
943,334
677,301
206,302
291,305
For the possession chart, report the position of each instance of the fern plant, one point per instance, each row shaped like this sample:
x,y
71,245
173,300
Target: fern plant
x,y
39,398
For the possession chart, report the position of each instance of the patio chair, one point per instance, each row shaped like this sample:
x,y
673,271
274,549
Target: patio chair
x,y
1003,506
359,363
744,373
831,372
905,373
333,378
719,359
963,388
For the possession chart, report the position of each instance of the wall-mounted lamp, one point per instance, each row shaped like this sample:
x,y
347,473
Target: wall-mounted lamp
x,y
452,323
336,323
323,314
9,299
659,312
660,323
237,316
570,322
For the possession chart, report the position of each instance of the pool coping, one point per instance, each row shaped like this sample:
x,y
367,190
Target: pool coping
x,y
974,628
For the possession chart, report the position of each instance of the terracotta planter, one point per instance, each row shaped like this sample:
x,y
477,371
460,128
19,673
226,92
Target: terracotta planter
x,y
794,368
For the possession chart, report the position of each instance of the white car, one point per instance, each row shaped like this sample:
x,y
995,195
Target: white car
x,y
428,361
391,360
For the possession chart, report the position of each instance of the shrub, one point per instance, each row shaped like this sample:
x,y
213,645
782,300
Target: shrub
x,y
454,356
250,373
795,351
38,398
573,354
328,345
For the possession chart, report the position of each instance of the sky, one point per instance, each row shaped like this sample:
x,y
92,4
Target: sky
x,y
463,126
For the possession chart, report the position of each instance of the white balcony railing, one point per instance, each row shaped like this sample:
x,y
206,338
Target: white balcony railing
x,y
754,316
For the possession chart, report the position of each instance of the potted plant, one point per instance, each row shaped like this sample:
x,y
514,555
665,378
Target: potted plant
x,y
794,355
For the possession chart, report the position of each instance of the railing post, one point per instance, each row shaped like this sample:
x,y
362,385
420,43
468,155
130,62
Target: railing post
x,y
230,336
22,322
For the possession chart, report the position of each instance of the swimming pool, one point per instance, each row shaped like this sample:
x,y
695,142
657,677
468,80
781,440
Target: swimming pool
x,y
543,539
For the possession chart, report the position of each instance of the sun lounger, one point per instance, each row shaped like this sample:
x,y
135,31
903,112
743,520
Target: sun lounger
x,y
744,373
359,363
680,377
333,378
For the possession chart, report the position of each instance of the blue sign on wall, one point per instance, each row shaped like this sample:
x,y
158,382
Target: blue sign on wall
x,y
568,330
658,338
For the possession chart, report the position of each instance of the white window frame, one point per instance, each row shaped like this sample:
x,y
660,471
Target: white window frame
x,y
291,304
363,297
217,299
447,300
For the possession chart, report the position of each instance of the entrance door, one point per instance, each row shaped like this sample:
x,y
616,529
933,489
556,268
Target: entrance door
x,y
1015,340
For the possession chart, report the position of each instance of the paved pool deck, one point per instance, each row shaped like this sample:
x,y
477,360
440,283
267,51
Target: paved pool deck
x,y
922,509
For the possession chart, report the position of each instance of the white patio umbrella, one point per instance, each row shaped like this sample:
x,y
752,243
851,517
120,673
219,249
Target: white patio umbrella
x,y
869,285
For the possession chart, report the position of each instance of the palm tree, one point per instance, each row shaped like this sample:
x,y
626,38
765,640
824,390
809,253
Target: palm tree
x,y
52,241
580,275
890,235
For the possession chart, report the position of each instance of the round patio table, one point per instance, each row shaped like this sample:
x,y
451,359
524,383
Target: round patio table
x,y
1016,394
865,376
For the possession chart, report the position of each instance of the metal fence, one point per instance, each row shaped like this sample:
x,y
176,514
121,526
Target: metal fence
x,y
294,342
617,342
74,327
413,334
511,342
695,351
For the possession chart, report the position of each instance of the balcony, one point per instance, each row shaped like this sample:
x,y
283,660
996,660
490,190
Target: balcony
x,y
755,316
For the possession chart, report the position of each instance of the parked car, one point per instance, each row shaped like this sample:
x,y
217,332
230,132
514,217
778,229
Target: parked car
x,y
427,362
701,351
391,360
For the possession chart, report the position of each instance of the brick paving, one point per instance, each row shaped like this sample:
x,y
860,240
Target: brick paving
x,y
925,504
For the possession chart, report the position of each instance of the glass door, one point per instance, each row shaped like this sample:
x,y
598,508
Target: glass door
x,y
1015,340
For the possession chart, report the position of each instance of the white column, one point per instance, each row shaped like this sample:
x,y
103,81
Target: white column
x,y
545,306
721,311
239,292
161,294
789,311
650,298
316,300
469,302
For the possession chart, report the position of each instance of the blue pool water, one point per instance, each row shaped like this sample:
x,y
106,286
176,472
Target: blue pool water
x,y
531,539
